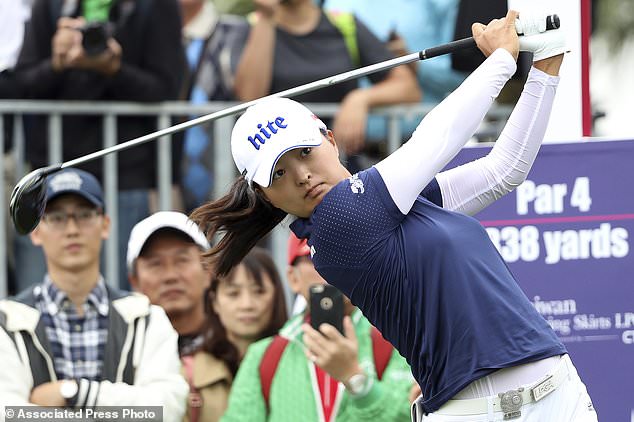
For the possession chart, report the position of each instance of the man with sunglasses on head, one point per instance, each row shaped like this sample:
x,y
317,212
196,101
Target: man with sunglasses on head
x,y
73,340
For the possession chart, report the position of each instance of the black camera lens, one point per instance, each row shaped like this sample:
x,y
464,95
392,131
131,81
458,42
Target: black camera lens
x,y
95,38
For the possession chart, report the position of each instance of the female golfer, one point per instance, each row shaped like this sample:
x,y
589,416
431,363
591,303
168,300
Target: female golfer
x,y
398,239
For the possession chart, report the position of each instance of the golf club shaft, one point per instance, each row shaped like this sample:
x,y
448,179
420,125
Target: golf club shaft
x,y
302,89
552,22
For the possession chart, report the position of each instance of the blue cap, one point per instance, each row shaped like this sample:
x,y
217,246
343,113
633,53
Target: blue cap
x,y
76,182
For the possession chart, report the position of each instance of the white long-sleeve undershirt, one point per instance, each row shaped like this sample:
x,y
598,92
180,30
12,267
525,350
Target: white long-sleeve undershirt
x,y
444,131
473,186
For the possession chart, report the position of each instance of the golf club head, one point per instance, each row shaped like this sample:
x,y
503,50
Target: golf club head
x,y
28,199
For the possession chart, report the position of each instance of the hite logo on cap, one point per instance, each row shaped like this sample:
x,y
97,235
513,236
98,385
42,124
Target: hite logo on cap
x,y
66,181
273,127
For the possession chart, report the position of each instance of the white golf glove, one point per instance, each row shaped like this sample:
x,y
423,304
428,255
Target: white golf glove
x,y
536,39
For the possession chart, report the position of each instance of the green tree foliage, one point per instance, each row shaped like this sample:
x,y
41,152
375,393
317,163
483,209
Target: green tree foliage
x,y
614,20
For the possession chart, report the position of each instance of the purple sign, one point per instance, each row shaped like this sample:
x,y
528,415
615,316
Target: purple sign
x,y
566,234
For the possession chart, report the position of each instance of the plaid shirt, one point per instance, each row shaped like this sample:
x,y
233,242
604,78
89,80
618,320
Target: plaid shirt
x,y
77,341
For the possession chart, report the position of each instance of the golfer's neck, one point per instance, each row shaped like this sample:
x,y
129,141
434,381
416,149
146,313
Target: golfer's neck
x,y
75,283
344,173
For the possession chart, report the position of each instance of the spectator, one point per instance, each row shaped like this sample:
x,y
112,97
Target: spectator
x,y
73,340
294,42
13,16
420,25
242,308
213,43
408,26
377,381
141,59
164,259
164,263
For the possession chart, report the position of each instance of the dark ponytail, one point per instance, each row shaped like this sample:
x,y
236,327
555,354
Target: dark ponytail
x,y
243,216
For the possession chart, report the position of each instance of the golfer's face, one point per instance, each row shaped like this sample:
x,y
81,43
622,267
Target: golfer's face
x,y
303,176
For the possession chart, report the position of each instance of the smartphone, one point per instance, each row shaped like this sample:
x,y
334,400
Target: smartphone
x,y
326,306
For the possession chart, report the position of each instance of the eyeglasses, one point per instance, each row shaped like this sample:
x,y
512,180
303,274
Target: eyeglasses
x,y
84,217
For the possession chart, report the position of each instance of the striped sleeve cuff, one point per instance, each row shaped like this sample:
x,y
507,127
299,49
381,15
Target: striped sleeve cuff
x,y
86,394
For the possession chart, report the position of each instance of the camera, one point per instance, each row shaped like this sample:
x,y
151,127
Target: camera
x,y
95,38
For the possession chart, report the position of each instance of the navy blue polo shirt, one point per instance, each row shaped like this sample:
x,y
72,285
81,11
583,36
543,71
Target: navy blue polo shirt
x,y
431,281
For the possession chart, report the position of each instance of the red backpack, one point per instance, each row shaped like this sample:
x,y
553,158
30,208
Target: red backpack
x,y
381,349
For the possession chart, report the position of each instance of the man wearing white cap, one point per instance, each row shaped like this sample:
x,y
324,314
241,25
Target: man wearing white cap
x,y
164,263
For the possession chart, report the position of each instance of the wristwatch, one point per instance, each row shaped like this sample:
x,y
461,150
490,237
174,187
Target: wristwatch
x,y
359,384
68,389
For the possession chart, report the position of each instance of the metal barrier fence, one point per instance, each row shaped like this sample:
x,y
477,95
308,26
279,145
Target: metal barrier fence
x,y
223,168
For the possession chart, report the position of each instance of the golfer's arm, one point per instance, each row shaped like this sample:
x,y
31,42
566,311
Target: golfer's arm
x,y
444,131
473,186
255,69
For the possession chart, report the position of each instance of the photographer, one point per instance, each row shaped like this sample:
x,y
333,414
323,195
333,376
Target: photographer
x,y
115,50
79,45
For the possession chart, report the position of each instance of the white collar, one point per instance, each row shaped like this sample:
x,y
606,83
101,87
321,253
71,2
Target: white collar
x,y
203,23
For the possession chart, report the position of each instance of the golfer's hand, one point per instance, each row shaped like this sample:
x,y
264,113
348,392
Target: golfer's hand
x,y
350,121
332,352
499,33
47,394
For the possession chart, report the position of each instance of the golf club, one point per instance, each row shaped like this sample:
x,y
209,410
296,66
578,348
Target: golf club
x,y
28,197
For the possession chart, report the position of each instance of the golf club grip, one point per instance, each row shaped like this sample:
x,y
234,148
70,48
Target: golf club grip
x,y
450,47
552,22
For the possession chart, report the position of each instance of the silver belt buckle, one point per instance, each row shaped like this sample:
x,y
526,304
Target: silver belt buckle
x,y
543,388
511,402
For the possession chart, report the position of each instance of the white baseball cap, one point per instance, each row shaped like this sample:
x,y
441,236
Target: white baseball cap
x,y
145,228
266,131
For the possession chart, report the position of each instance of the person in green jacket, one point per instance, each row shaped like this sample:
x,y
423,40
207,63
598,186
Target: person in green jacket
x,y
320,377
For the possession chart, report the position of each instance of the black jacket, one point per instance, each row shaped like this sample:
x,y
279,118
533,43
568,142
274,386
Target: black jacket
x,y
151,70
